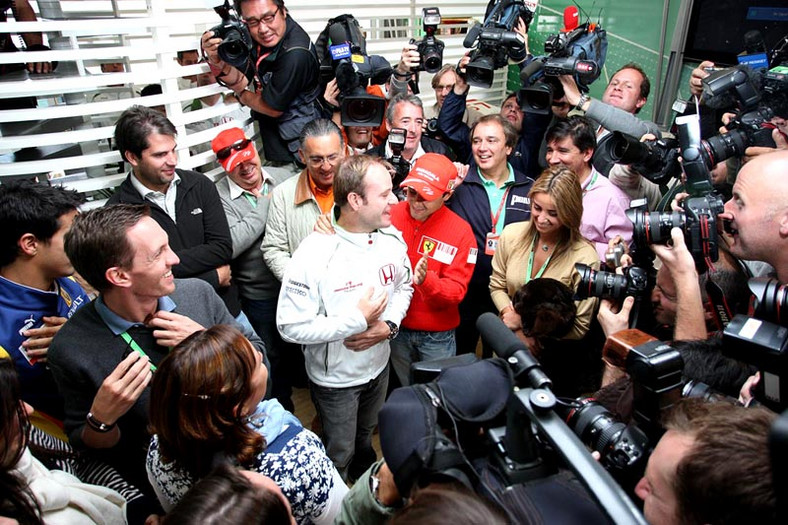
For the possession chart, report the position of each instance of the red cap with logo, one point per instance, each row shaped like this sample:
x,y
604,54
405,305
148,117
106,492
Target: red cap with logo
x,y
432,175
232,148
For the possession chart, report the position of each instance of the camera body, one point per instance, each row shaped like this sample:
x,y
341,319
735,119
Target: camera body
x,y
430,48
657,160
236,47
496,41
396,141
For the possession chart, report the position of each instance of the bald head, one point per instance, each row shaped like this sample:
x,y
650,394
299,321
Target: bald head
x,y
758,212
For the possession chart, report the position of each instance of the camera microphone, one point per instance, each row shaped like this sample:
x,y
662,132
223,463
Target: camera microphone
x,y
571,18
507,346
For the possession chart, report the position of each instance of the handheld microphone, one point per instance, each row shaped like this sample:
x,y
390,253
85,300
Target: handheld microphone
x,y
507,346
571,18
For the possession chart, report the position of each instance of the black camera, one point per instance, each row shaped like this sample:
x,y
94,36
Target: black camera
x,y
771,300
657,160
396,141
580,52
341,48
496,41
431,129
236,46
698,222
757,97
607,285
430,48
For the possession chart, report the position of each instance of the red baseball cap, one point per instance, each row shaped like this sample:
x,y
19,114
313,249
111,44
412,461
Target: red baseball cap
x,y
232,148
432,175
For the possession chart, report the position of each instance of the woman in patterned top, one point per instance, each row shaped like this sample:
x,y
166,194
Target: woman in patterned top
x,y
207,406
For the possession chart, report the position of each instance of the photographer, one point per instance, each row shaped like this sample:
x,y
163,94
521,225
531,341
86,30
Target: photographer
x,y
711,466
625,95
279,79
756,218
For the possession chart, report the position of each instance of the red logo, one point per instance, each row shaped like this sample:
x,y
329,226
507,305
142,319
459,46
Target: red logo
x,y
386,274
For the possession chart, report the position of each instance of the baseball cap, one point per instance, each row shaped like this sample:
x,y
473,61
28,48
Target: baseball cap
x,y
432,175
232,148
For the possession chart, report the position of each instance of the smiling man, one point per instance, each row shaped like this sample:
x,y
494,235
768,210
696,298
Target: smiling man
x,y
184,203
284,93
442,251
343,298
103,357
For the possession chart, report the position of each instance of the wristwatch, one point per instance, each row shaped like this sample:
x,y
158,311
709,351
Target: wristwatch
x,y
394,329
583,99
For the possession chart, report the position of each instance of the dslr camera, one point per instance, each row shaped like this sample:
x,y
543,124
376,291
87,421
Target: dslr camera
x,y
496,41
236,46
430,48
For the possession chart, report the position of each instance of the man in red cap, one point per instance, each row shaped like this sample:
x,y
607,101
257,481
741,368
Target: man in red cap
x,y
246,195
442,251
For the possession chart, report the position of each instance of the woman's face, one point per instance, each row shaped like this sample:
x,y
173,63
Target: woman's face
x,y
258,383
544,214
11,448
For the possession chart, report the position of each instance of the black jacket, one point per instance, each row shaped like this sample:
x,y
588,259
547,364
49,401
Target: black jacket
x,y
200,238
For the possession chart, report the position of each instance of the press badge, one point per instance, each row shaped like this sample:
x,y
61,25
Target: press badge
x,y
491,243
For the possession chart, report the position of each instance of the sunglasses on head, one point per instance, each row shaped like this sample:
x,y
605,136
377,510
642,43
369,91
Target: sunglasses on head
x,y
238,146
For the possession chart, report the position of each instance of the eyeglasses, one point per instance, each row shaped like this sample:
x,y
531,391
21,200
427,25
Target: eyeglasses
x,y
316,162
238,146
267,20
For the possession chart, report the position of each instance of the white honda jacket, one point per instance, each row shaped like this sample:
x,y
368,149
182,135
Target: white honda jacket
x,y
322,285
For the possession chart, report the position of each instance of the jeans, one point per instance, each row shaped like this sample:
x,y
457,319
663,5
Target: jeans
x,y
287,360
349,416
417,345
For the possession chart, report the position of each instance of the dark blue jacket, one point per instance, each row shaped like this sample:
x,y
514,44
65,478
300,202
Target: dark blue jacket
x,y
470,202
524,157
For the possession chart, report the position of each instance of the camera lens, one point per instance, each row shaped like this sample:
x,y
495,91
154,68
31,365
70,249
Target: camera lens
x,y
594,283
594,425
234,49
654,227
724,146
771,300
432,61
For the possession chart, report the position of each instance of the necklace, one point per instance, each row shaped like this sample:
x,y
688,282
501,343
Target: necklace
x,y
545,247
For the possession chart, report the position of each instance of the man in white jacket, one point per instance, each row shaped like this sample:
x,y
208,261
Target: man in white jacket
x,y
343,297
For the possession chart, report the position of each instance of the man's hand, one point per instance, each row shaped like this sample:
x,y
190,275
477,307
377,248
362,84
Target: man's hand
x,y
522,30
409,59
121,388
39,67
225,275
698,74
375,333
746,393
38,339
462,172
677,258
571,92
780,142
371,307
388,494
210,46
323,224
460,85
420,271
613,319
331,94
171,328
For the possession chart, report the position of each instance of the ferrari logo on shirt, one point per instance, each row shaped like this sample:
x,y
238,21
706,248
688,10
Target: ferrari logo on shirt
x,y
435,249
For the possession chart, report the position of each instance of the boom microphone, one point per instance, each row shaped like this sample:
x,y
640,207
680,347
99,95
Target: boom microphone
x,y
507,346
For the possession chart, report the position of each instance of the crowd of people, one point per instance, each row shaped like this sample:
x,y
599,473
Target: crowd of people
x,y
149,348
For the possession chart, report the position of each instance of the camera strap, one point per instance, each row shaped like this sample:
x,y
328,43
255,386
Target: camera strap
x,y
720,309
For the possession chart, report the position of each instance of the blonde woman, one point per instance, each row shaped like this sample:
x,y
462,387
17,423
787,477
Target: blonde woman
x,y
548,245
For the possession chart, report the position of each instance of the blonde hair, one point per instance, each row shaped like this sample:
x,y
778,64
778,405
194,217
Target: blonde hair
x,y
563,187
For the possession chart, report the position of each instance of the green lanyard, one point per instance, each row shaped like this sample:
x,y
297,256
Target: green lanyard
x,y
530,266
134,346
591,183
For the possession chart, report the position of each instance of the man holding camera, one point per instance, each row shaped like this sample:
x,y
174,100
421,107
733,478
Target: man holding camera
x,y
284,93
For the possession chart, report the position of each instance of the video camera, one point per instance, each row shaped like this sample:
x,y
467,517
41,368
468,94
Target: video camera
x,y
341,49
496,41
758,96
236,46
580,52
430,48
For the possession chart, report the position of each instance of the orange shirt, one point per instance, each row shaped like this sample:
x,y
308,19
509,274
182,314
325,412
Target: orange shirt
x,y
325,198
